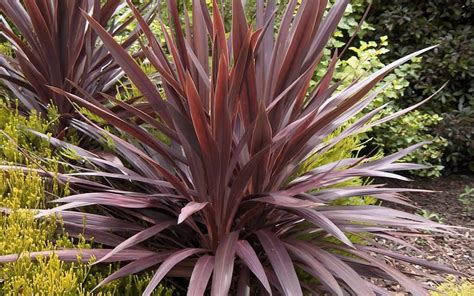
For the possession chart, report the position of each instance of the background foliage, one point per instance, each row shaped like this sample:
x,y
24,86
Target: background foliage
x,y
367,54
416,24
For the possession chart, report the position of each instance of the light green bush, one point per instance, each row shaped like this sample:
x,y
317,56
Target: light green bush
x,y
364,59
20,232
408,130
451,287
14,135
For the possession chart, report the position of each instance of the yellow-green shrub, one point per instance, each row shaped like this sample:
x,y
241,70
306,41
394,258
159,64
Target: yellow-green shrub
x,y
451,287
346,148
13,127
21,233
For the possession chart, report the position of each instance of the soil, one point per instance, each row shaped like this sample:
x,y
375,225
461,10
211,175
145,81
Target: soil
x,y
456,251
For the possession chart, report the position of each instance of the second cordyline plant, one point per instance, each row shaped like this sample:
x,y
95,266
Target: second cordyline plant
x,y
222,202
53,45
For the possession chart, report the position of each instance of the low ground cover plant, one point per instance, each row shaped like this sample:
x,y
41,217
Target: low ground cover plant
x,y
455,287
215,183
467,198
23,193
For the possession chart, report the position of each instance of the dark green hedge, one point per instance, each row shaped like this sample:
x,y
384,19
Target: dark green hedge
x,y
411,25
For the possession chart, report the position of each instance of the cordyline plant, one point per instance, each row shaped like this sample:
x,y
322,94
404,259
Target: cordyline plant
x,y
53,45
223,197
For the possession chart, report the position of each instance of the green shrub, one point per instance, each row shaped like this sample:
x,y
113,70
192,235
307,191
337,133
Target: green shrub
x,y
416,24
21,233
457,127
413,127
14,135
451,287
467,198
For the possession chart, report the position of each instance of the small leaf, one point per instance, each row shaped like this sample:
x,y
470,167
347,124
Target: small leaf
x,y
191,208
167,265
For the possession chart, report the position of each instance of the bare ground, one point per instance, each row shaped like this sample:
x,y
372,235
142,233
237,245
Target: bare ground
x,y
456,251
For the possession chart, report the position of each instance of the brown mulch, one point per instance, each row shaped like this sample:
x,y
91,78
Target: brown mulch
x,y
456,251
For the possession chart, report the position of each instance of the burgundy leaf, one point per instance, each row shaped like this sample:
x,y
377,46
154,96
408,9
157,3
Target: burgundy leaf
x,y
167,265
248,255
339,269
84,255
224,264
200,276
189,209
316,268
138,238
131,68
281,262
135,267
319,219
